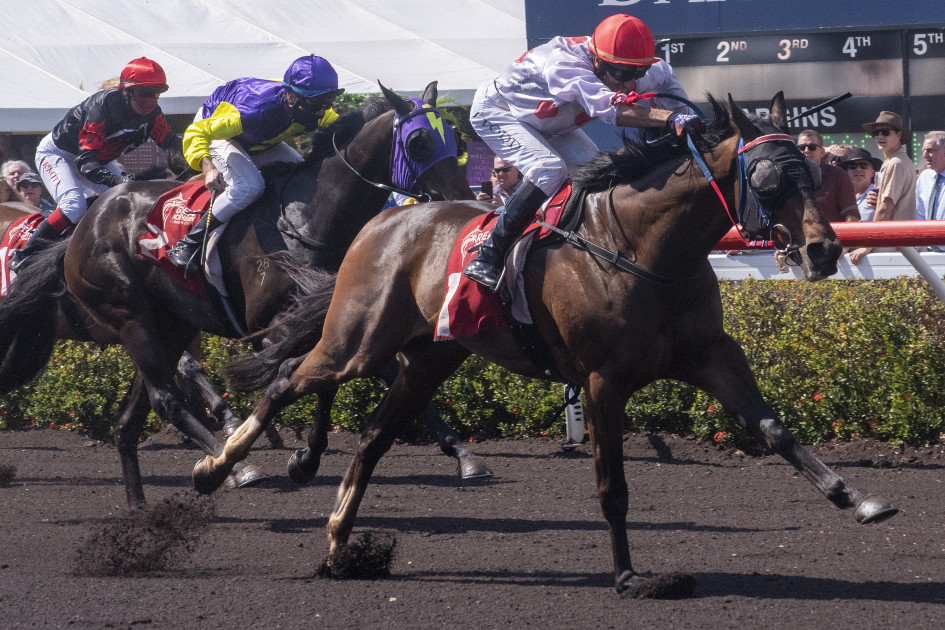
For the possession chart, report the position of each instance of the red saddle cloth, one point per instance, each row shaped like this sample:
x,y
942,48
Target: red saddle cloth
x,y
16,237
468,307
170,220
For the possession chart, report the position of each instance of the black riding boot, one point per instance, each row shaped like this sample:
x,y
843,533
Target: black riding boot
x,y
187,249
486,268
41,237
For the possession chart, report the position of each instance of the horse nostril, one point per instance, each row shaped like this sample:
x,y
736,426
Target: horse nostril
x,y
823,252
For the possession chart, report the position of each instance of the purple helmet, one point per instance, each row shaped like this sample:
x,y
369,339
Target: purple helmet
x,y
312,76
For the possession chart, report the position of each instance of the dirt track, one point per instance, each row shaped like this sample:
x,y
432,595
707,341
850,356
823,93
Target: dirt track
x,y
527,549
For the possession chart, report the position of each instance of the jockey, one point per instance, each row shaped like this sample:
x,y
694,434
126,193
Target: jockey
x,y
532,113
76,160
242,127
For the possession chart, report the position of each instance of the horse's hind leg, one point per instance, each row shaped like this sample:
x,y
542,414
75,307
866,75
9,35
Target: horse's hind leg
x,y
469,465
424,367
723,372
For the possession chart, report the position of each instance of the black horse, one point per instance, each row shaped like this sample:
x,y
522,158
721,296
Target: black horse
x,y
310,215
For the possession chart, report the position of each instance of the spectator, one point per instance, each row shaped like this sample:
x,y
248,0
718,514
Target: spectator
x,y
929,195
244,125
861,166
506,179
13,170
531,115
835,198
895,198
76,159
30,187
8,193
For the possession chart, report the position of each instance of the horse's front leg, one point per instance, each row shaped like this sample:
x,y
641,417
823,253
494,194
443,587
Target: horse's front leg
x,y
604,415
129,425
723,372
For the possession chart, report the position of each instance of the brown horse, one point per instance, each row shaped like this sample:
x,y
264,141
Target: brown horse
x,y
134,303
613,324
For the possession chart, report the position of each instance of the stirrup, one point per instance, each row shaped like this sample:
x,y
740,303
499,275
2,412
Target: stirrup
x,y
485,274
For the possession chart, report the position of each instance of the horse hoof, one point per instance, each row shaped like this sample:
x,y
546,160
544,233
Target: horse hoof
x,y
662,586
230,483
296,473
206,479
874,510
473,468
250,476
231,426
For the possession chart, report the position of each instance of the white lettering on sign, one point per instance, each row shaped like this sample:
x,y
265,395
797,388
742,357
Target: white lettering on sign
x,y
670,48
725,48
787,45
921,41
853,44
626,3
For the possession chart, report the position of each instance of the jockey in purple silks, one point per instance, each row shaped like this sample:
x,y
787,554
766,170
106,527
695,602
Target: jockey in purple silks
x,y
243,126
532,113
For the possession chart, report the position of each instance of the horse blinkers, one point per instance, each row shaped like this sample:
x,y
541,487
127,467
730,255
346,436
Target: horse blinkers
x,y
419,145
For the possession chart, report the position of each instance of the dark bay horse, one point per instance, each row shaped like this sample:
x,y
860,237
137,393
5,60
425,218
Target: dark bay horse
x,y
134,303
613,327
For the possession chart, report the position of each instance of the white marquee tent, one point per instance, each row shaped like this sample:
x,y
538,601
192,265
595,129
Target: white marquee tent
x,y
55,53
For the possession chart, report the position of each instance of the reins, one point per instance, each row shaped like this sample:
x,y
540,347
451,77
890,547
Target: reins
x,y
391,189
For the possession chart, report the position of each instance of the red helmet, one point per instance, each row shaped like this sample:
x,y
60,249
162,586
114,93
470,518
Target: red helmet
x,y
143,72
623,39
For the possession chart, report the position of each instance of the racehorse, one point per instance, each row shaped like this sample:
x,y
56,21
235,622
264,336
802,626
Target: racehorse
x,y
134,303
613,323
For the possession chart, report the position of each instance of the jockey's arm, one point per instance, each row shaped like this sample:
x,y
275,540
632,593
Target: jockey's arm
x,y
212,176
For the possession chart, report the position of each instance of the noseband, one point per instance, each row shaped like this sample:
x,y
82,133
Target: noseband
x,y
753,215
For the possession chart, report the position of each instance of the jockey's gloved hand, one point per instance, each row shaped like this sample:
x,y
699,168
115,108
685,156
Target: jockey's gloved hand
x,y
684,123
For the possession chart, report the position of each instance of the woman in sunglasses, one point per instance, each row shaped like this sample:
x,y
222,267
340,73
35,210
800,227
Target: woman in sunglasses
x,y
242,127
531,116
76,160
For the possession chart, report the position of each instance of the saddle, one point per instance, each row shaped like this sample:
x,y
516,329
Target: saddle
x,y
469,308
16,237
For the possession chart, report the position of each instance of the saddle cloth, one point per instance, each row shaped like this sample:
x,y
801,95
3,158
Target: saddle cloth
x,y
172,217
16,237
468,307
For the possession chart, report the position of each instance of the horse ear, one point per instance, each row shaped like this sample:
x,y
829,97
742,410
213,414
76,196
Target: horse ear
x,y
401,106
778,109
745,126
429,94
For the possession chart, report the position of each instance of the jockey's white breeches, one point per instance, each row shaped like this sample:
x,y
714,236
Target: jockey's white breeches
x,y
240,169
64,182
545,160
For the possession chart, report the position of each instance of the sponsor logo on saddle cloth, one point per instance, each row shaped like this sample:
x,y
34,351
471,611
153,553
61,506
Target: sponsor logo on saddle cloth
x,y
16,237
468,307
170,220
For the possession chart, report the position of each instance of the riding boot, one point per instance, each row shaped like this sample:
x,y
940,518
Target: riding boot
x,y
487,267
41,237
187,250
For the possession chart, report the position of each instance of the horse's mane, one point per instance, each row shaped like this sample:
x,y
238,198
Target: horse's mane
x,y
345,128
634,159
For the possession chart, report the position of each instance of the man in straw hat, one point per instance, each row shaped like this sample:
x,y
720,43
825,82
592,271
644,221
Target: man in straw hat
x,y
861,167
895,199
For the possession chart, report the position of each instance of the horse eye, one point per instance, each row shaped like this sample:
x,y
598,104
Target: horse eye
x,y
765,178
419,145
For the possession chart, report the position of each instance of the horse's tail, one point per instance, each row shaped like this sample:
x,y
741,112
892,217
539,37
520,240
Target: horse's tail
x,y
28,317
292,333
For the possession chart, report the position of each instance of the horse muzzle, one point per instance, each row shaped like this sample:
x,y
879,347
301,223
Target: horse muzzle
x,y
819,258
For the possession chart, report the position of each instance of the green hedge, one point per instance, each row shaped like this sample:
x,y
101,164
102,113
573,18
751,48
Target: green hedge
x,y
838,359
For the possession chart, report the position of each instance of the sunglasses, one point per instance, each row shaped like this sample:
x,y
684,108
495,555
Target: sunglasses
x,y
145,93
315,105
22,185
504,169
624,73
808,147
881,132
856,165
